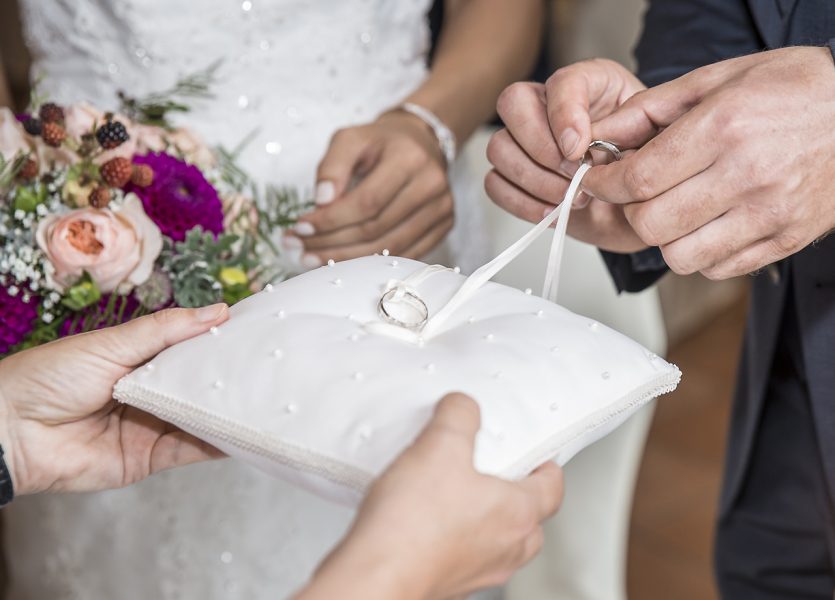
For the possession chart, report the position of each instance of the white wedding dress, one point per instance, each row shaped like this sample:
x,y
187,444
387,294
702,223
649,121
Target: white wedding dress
x,y
294,71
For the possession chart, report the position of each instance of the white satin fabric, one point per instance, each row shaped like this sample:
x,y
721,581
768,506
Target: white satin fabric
x,y
293,72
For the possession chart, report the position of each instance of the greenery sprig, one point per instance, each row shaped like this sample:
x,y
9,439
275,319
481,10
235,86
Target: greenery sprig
x,y
154,109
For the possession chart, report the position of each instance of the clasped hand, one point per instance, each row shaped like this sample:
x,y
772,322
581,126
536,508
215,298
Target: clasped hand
x,y
733,169
380,186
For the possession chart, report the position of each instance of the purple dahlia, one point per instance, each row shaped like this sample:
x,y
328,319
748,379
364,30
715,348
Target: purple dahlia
x,y
124,307
17,318
180,198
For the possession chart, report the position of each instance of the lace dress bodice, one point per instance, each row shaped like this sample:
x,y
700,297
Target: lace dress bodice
x,y
292,72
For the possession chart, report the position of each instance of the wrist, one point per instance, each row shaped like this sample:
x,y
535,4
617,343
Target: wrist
x,y
431,132
8,446
366,571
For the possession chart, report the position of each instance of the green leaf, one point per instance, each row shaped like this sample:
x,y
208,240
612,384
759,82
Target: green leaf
x,y
27,198
82,294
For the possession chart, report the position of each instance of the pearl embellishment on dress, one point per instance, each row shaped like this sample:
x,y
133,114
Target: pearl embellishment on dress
x,y
605,375
218,384
277,353
268,288
292,408
214,330
528,291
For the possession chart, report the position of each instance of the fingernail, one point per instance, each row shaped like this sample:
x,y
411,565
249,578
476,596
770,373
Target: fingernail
x,y
325,192
208,314
569,141
581,202
311,261
291,242
568,167
304,228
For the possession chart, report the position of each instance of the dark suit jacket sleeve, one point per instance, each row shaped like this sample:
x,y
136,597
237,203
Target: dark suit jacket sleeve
x,y
679,36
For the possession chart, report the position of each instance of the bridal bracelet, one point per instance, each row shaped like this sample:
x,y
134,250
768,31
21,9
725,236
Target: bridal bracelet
x,y
446,139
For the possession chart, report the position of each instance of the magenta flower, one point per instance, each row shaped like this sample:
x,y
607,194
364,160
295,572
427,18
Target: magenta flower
x,y
180,198
18,318
93,317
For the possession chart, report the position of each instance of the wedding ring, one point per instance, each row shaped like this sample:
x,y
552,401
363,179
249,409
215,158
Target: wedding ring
x,y
407,305
609,147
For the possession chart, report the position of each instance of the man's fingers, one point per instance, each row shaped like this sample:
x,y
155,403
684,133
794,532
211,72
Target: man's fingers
x,y
545,489
515,200
522,107
513,164
714,243
346,152
137,341
680,211
684,149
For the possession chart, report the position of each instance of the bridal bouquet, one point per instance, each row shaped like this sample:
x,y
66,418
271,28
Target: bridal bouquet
x,y
104,218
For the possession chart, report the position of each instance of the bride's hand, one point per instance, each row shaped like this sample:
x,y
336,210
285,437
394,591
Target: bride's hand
x,y
433,528
60,428
380,186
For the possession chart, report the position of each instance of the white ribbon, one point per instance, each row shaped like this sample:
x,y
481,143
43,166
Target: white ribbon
x,y
488,271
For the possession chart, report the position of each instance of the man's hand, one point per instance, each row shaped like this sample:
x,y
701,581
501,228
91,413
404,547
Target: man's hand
x,y
432,527
60,428
548,130
735,167
380,186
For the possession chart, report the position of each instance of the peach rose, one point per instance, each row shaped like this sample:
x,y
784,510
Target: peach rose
x,y
13,138
116,247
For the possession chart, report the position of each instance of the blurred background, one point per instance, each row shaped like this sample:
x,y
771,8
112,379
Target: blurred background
x,y
672,524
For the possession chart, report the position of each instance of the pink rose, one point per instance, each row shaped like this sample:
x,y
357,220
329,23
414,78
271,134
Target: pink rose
x,y
193,148
13,138
116,247
150,138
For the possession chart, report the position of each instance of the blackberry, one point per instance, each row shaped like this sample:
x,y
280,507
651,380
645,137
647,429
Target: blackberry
x,y
33,126
116,172
112,135
51,113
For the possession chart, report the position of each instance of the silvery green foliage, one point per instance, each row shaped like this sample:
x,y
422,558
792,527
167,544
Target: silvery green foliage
x,y
193,265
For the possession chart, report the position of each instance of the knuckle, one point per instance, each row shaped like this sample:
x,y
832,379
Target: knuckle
x,y
369,230
341,136
643,219
496,146
369,203
679,262
436,180
510,96
638,182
